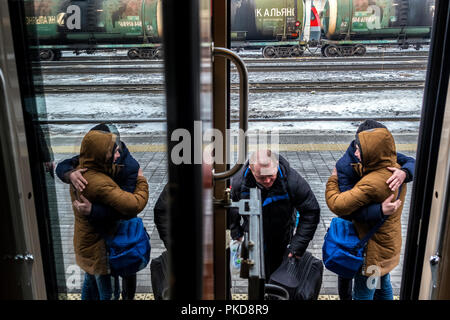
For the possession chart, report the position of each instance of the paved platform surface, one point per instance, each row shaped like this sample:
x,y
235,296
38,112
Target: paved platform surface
x,y
314,157
150,296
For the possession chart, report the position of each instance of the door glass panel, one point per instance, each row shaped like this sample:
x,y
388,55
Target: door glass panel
x,y
97,62
316,100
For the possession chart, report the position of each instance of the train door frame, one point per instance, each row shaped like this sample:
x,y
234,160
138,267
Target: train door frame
x,y
183,70
434,281
221,122
429,143
24,257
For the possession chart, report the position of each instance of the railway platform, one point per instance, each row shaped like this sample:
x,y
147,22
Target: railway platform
x,y
313,156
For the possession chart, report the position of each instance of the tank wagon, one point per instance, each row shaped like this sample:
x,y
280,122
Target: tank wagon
x,y
136,25
349,25
56,25
277,27
274,26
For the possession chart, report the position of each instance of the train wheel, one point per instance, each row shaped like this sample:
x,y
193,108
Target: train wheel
x,y
359,50
269,52
46,55
296,51
133,54
146,54
331,51
159,53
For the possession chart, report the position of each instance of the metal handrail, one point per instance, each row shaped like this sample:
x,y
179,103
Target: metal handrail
x,y
243,110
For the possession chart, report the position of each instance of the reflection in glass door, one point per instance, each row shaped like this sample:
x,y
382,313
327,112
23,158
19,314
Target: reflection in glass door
x,y
90,62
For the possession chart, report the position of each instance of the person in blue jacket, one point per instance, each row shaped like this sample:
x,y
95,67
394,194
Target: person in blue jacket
x,y
373,213
101,215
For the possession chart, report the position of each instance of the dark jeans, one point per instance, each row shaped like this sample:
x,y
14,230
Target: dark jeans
x,y
345,288
376,288
99,287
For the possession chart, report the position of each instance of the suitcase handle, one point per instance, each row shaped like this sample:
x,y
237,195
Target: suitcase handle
x,y
279,293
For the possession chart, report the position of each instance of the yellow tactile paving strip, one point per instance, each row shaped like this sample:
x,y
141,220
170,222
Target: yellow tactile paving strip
x,y
149,296
282,147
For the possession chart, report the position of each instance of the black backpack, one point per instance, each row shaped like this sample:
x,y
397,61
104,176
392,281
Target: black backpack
x,y
302,278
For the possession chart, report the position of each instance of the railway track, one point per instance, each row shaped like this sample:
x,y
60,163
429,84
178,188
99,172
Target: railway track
x,y
315,56
126,62
307,67
255,87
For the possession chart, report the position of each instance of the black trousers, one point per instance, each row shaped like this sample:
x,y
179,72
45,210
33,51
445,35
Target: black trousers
x,y
345,288
128,287
273,257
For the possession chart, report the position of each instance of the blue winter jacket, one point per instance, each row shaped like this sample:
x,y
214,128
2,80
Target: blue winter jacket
x,y
126,178
348,177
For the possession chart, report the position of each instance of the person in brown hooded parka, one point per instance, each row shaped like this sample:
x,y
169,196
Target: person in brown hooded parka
x,y
376,151
98,153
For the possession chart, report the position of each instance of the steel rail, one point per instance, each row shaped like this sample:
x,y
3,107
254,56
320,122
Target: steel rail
x,y
77,69
247,61
254,87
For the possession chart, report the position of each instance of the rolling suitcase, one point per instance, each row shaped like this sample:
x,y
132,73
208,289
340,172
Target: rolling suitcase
x,y
302,278
159,268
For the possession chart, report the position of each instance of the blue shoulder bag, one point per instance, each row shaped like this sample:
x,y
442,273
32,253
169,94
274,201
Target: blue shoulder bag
x,y
129,248
342,251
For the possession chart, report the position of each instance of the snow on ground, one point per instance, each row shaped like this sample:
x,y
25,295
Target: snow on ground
x,y
270,105
104,106
153,78
291,76
331,104
253,77
334,76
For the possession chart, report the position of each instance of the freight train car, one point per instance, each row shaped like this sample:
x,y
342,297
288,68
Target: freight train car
x,y
56,25
274,26
349,25
90,25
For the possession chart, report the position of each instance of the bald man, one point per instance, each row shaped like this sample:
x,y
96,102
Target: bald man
x,y
283,193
